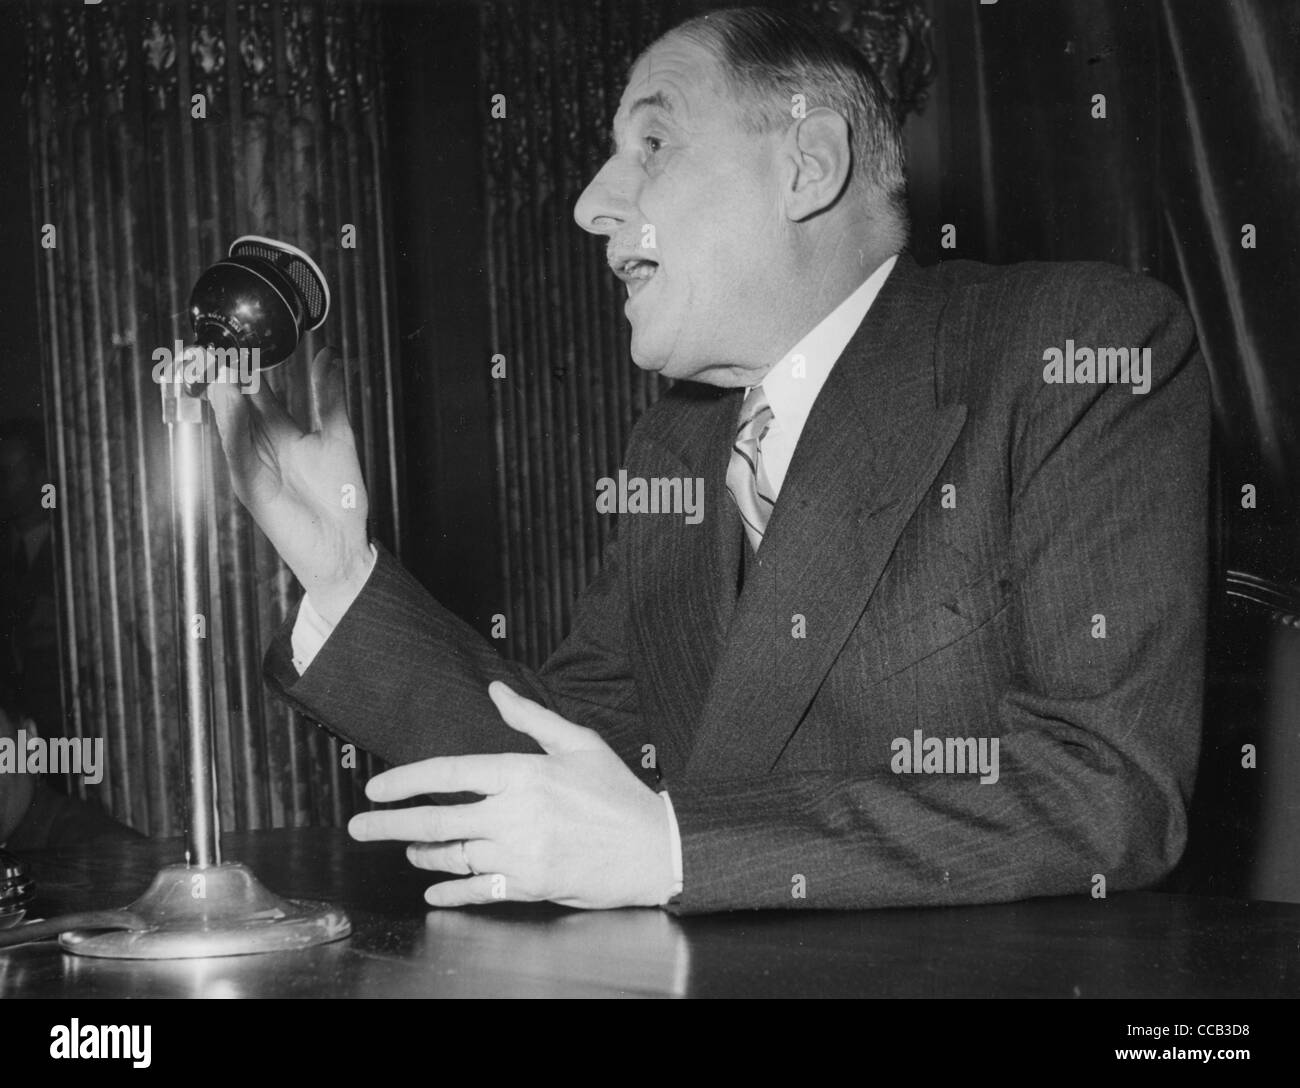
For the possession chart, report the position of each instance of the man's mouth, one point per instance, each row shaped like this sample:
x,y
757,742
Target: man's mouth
x,y
635,272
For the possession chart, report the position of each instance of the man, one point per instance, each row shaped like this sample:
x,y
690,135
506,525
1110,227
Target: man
x,y
915,533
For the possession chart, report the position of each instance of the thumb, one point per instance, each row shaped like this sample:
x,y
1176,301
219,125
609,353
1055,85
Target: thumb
x,y
552,732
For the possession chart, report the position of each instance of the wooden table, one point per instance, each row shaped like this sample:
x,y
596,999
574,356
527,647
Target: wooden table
x,y
1131,945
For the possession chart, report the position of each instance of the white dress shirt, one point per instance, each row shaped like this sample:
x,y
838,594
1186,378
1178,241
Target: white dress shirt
x,y
792,385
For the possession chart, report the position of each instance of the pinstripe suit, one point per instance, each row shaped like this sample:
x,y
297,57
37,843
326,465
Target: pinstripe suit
x,y
975,617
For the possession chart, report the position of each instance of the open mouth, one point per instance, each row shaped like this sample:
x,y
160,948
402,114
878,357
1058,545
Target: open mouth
x,y
635,272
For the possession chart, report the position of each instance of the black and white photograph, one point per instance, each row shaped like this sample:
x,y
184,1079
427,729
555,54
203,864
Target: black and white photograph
x,y
650,499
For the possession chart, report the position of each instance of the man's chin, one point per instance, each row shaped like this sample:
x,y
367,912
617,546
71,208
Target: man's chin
x,y
653,361
672,365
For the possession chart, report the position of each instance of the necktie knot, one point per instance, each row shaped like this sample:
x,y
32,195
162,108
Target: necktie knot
x,y
747,482
755,417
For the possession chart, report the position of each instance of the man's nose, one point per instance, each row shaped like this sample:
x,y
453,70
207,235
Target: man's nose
x,y
606,204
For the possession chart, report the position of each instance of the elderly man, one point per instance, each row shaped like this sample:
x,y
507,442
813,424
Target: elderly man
x,y
938,636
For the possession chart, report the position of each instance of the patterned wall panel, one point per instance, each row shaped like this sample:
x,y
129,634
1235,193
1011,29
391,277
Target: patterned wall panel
x,y
563,414
143,194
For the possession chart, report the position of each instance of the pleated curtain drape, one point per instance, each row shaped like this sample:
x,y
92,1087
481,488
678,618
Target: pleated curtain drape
x,y
158,134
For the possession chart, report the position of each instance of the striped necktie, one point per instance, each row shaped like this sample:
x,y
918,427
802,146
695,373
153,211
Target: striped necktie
x,y
746,480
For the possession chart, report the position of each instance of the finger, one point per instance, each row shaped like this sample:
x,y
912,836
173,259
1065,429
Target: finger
x,y
231,411
327,386
439,857
272,419
463,857
551,731
485,888
426,823
444,774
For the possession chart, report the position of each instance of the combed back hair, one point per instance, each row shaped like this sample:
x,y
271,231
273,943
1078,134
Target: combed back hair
x,y
769,56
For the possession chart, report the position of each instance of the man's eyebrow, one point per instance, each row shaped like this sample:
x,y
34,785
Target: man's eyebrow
x,y
656,101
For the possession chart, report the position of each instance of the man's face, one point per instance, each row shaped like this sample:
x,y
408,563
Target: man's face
x,y
690,205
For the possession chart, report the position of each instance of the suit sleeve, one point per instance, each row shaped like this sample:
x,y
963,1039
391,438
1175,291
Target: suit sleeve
x,y
404,678
1098,737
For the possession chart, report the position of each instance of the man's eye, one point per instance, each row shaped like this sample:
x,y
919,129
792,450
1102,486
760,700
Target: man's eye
x,y
653,143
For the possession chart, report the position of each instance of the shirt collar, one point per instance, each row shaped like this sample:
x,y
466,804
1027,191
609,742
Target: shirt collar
x,y
792,385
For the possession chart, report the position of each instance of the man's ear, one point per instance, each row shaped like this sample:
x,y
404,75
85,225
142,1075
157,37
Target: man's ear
x,y
817,146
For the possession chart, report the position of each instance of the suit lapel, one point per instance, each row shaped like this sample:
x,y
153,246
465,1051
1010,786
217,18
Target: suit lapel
x,y
682,633
700,441
725,521
871,448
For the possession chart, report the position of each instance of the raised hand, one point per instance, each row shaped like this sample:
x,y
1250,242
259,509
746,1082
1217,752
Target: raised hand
x,y
304,488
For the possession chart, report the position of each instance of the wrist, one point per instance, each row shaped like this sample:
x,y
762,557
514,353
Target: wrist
x,y
332,596
669,872
675,862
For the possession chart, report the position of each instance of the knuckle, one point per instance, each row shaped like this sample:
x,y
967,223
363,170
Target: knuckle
x,y
431,824
522,774
545,846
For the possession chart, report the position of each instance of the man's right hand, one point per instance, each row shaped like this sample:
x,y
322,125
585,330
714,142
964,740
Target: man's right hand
x,y
304,488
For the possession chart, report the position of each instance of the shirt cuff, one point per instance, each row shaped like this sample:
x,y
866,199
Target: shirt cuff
x,y
675,844
311,629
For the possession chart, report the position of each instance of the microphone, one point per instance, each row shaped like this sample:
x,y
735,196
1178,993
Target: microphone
x,y
258,301
261,299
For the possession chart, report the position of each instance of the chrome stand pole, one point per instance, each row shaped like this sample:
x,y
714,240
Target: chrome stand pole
x,y
205,907
185,416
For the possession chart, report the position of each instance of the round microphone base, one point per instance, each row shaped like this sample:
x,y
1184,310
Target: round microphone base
x,y
217,910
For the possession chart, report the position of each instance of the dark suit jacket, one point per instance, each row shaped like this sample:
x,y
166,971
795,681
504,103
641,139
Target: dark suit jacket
x,y
1072,501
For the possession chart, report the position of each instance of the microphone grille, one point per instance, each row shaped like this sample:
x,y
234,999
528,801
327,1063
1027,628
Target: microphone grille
x,y
302,271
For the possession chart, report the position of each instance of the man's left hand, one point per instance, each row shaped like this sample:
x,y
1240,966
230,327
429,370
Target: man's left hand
x,y
574,826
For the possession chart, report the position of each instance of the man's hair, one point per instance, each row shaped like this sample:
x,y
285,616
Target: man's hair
x,y
768,56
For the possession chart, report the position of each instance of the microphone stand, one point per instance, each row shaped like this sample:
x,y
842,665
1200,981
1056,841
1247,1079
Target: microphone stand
x,y
205,906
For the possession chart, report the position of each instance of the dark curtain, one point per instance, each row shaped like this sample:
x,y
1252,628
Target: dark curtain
x,y
1199,141
566,392
143,189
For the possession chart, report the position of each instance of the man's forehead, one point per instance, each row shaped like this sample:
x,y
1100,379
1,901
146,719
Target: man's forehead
x,y
675,75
